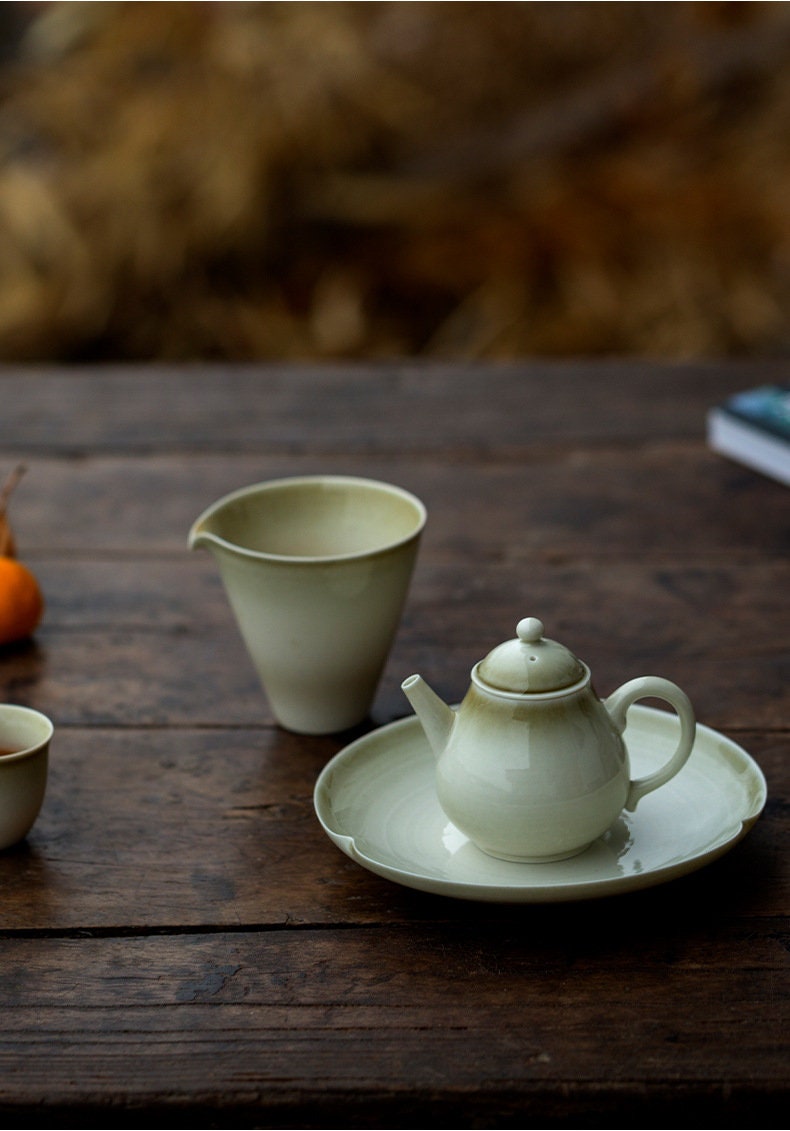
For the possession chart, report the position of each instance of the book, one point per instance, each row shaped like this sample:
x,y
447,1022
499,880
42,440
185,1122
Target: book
x,y
753,428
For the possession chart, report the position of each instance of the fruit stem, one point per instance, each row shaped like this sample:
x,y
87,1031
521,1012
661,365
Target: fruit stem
x,y
6,541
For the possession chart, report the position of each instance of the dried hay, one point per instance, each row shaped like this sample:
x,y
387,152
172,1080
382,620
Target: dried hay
x,y
326,180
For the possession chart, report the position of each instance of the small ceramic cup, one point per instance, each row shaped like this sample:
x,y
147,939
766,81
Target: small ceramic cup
x,y
316,570
24,760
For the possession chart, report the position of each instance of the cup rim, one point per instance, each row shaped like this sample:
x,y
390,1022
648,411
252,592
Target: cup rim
x,y
266,485
34,715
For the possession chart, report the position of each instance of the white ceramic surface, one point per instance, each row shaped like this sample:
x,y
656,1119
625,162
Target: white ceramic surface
x,y
532,767
316,570
23,774
376,800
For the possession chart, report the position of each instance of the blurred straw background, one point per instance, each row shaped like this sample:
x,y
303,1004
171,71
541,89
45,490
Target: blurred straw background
x,y
372,180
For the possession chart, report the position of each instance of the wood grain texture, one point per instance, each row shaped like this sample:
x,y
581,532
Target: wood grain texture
x,y
179,939
358,408
153,642
167,829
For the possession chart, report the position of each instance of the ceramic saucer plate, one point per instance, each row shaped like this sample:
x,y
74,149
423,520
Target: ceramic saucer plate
x,y
376,802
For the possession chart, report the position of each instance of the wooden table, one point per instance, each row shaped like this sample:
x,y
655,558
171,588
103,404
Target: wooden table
x,y
178,937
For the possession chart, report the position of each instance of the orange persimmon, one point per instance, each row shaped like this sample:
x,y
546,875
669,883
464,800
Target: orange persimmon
x,y
21,600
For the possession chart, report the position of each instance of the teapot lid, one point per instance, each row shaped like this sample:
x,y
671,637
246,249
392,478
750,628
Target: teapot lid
x,y
530,663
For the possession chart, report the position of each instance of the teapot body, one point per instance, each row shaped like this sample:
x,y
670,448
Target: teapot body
x,y
534,780
533,767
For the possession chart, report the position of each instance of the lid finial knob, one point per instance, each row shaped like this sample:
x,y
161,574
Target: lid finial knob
x,y
529,630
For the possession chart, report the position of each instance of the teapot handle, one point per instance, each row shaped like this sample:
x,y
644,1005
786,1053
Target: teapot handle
x,y
651,686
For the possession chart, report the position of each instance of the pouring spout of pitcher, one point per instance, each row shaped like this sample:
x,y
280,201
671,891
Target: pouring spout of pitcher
x,y
200,538
436,718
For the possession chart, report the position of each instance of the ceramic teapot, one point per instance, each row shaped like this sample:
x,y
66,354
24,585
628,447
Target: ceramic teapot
x,y
532,766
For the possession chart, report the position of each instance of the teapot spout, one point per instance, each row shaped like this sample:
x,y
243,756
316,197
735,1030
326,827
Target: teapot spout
x,y
436,717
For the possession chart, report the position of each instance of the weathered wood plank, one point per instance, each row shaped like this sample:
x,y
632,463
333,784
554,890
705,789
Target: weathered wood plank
x,y
144,830
400,407
293,1017
146,642
663,499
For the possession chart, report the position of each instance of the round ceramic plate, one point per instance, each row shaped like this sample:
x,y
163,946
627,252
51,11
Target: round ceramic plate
x,y
376,801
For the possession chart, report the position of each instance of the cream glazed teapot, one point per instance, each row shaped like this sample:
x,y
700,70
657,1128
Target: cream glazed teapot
x,y
532,766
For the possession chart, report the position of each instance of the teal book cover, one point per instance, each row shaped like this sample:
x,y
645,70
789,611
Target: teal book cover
x,y
753,428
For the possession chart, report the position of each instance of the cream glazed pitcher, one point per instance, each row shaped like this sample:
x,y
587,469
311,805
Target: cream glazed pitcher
x,y
316,569
532,766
